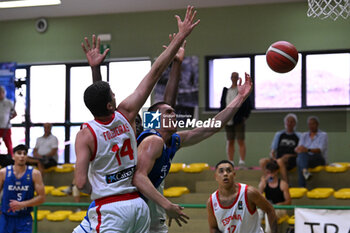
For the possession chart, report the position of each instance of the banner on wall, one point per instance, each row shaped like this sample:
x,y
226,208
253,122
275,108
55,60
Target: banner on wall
x,y
7,79
322,221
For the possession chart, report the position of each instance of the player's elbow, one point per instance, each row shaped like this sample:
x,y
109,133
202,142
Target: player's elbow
x,y
136,181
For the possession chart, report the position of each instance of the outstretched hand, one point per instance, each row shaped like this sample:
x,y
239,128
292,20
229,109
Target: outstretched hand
x,y
93,55
175,212
188,24
180,55
246,88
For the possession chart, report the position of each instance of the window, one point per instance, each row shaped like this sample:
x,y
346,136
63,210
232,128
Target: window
x,y
20,93
327,79
80,79
47,93
125,77
220,71
275,90
73,133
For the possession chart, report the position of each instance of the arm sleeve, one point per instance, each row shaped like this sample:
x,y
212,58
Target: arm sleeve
x,y
302,139
274,143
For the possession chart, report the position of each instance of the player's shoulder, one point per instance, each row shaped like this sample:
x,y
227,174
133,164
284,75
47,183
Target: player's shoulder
x,y
3,171
153,139
252,192
284,184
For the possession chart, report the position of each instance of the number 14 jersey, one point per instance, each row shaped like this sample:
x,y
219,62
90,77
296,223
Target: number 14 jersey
x,y
113,162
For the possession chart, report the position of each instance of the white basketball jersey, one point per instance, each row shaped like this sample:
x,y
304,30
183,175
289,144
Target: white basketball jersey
x,y
236,218
114,160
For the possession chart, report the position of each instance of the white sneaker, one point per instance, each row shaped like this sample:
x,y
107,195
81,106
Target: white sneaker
x,y
307,175
241,163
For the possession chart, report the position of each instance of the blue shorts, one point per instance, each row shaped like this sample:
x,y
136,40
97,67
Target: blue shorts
x,y
10,224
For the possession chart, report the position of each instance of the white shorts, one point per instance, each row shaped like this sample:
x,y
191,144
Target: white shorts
x,y
158,215
84,227
125,213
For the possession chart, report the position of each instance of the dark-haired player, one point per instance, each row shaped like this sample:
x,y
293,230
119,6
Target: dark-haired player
x,y
233,207
106,147
157,148
19,182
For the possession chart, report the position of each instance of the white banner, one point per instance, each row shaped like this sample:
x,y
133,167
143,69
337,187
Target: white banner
x,y
322,221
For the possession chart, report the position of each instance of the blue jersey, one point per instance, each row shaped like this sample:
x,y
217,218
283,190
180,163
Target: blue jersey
x,y
161,166
21,189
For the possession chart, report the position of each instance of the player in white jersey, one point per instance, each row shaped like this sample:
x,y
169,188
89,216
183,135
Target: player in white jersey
x,y
106,147
233,207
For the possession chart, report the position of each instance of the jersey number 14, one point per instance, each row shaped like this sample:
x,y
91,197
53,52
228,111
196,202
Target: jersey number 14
x,y
124,151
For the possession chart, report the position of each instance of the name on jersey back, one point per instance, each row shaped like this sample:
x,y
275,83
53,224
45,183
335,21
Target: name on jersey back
x,y
120,129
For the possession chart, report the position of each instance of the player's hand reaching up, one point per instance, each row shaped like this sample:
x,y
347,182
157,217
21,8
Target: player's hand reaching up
x,y
93,55
188,24
246,88
180,55
175,212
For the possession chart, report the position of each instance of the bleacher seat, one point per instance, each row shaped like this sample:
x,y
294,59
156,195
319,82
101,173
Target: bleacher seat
x,y
283,219
77,217
175,191
41,214
57,192
320,193
59,215
196,167
50,169
336,167
291,220
297,192
48,189
316,169
176,167
342,193
64,168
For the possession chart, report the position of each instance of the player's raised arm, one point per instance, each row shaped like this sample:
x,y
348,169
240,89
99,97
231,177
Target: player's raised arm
x,y
149,150
190,137
133,103
171,88
94,57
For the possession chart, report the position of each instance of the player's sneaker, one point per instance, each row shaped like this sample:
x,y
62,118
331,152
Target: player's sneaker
x,y
307,174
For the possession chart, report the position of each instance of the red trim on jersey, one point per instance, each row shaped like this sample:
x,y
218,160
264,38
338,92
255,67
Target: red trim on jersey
x,y
115,198
246,200
129,123
124,117
95,141
211,204
106,122
230,206
99,219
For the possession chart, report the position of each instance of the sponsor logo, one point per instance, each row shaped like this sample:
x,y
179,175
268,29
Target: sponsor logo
x,y
112,178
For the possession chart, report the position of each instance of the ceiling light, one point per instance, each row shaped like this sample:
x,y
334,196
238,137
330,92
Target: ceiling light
x,y
28,3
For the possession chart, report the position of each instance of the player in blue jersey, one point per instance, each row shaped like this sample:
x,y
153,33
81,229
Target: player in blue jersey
x,y
19,182
157,147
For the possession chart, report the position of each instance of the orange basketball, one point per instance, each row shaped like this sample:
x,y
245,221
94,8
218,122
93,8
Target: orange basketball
x,y
282,56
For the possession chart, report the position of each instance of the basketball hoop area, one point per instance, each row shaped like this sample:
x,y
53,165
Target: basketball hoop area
x,y
328,9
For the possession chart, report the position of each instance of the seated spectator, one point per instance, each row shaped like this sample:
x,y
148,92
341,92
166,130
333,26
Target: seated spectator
x,y
283,145
45,151
276,191
312,150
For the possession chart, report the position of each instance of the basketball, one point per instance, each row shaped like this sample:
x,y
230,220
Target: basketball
x,y
282,56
